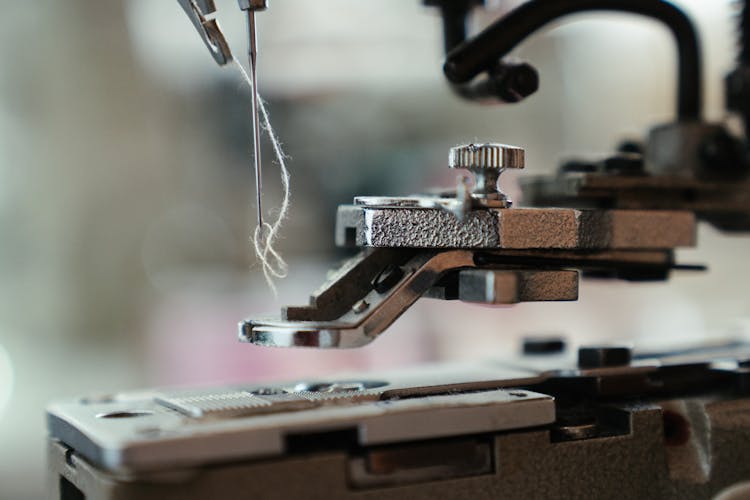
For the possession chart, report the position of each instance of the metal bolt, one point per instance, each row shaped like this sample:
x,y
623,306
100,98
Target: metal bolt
x,y
360,306
388,278
486,162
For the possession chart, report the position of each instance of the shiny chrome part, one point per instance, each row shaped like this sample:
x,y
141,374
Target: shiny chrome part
x,y
487,162
413,202
488,156
208,29
354,329
252,49
347,386
459,206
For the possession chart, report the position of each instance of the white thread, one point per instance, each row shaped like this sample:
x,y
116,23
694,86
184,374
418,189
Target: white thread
x,y
274,265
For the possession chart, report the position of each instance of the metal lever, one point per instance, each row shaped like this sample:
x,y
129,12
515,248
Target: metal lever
x,y
208,29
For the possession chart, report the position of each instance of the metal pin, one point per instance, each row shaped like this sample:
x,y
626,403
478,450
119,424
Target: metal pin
x,y
217,45
253,56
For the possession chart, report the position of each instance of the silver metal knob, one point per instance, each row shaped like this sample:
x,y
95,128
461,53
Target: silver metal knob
x,y
486,162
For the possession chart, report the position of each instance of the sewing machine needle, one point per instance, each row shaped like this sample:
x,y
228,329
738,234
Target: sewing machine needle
x,y
253,53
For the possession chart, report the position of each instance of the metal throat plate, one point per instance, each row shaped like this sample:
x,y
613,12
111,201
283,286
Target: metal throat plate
x,y
157,430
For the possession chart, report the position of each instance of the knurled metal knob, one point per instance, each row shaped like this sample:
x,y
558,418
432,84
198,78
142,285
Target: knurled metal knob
x,y
486,162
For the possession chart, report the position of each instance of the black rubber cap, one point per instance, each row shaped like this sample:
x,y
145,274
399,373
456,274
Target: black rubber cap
x,y
603,356
543,345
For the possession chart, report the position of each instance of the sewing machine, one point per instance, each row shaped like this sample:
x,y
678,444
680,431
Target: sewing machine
x,y
596,421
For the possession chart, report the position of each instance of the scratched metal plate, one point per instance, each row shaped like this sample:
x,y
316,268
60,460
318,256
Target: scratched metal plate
x,y
159,429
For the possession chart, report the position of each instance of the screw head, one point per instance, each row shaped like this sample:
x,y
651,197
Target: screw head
x,y
360,306
388,278
486,161
488,156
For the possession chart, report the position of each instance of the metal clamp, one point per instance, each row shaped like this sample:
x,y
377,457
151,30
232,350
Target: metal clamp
x,y
208,29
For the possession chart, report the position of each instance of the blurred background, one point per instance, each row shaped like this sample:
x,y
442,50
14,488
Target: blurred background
x,y
126,188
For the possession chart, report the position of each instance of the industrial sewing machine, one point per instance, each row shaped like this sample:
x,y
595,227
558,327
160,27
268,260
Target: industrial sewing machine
x,y
599,421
